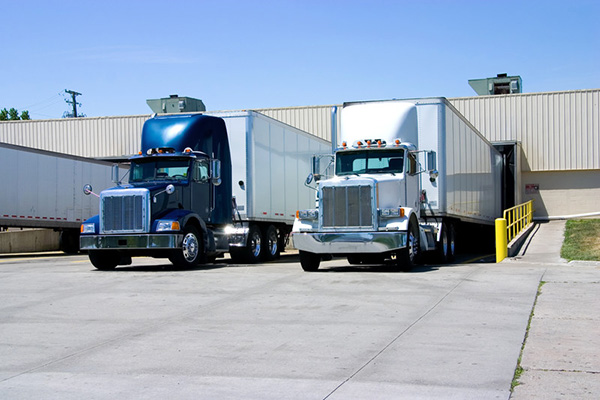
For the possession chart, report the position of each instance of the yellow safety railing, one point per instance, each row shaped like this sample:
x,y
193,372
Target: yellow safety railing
x,y
514,220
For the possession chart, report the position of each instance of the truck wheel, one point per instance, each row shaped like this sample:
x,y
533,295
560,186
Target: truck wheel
x,y
451,242
104,260
272,250
251,253
354,259
409,257
444,245
309,261
191,251
68,242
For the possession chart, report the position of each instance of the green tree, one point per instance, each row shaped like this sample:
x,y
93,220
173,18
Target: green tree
x,y
13,115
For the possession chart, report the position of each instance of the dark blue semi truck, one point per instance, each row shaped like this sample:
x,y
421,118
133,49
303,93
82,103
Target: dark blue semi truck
x,y
201,186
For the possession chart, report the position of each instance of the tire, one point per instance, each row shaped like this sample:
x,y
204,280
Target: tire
x,y
409,257
452,242
443,248
271,241
104,260
192,249
354,259
68,242
252,252
309,261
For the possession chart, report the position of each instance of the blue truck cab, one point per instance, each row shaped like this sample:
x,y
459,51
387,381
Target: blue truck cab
x,y
177,203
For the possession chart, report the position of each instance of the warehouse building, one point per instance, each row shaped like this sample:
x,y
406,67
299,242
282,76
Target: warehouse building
x,y
552,140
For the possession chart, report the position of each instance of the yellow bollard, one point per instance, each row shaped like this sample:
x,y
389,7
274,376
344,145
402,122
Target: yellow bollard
x,y
501,240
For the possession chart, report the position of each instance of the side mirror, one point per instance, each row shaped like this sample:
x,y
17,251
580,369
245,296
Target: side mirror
x,y
170,189
316,164
309,179
115,174
431,161
87,189
215,166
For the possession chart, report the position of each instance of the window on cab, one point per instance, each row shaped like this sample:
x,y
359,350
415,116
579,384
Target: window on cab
x,y
159,170
201,169
369,162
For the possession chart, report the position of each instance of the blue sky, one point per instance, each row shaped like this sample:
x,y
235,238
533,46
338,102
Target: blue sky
x,y
254,54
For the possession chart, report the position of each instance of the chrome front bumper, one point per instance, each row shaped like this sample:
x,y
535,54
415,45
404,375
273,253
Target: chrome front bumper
x,y
350,242
130,242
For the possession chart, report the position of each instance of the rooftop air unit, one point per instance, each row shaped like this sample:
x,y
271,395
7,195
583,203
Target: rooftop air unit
x,y
501,84
175,104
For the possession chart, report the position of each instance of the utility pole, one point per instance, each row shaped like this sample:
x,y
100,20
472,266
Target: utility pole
x,y
73,101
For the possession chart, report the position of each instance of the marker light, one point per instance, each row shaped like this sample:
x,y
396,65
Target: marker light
x,y
187,150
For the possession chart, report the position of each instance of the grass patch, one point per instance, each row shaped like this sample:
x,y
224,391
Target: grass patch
x,y
582,240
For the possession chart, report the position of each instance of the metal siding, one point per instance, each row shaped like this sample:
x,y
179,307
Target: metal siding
x,y
557,130
84,137
315,120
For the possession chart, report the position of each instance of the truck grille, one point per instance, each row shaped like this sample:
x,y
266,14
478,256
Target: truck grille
x,y
125,211
348,206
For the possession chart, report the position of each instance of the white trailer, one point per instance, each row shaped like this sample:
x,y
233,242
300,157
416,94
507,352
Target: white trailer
x,y
407,173
43,189
269,160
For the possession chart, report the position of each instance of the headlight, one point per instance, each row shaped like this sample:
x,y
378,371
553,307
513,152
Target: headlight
x,y
88,228
166,225
307,214
391,212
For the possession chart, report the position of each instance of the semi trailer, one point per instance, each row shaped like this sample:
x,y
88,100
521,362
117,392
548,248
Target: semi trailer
x,y
204,185
407,172
42,189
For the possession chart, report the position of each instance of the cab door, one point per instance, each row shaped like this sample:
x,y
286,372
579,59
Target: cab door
x,y
413,183
201,189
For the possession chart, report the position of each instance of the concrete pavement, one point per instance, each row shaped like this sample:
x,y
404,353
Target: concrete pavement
x,y
272,331
561,356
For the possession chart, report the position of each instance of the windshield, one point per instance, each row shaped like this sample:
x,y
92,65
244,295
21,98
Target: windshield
x,y
369,162
159,170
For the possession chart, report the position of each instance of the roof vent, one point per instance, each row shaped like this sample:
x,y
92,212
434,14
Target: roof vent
x,y
501,84
175,104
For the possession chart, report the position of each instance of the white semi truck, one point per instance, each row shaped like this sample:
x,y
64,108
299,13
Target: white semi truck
x,y
42,189
406,173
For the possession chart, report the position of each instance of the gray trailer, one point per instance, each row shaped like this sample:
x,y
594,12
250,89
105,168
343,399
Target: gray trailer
x,y
43,189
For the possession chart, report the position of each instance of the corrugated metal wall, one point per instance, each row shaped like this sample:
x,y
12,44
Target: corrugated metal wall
x,y
312,119
558,130
85,137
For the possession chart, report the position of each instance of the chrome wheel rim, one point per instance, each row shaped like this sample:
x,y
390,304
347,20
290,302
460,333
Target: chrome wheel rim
x,y
190,247
255,244
273,243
